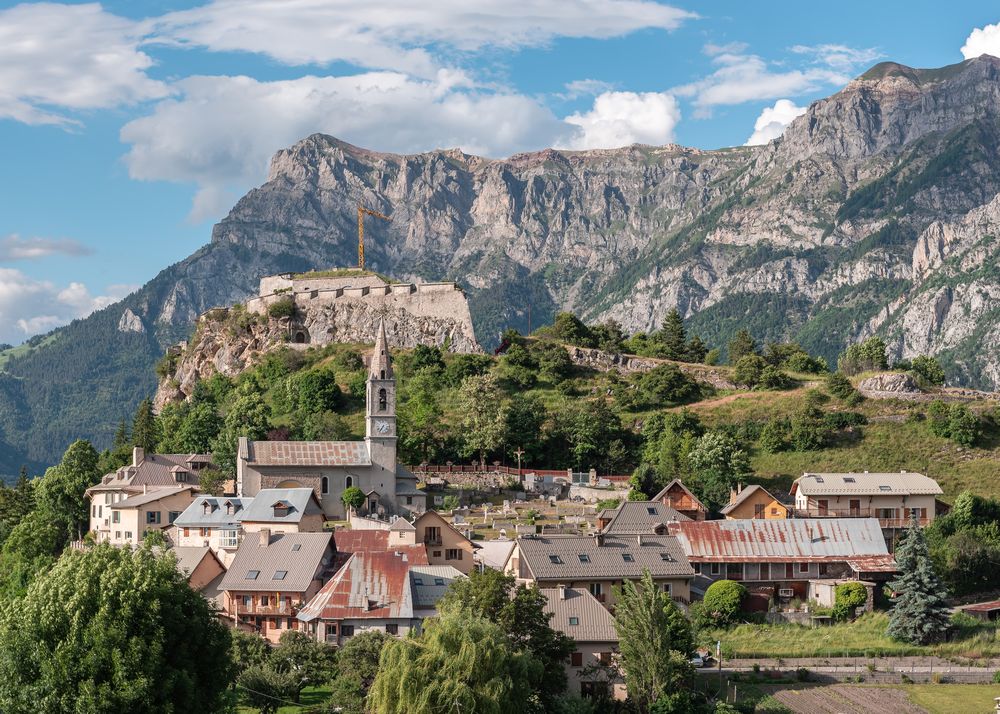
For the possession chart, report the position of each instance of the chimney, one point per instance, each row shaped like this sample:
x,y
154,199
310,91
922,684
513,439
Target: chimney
x,y
638,539
265,537
138,455
145,488
562,592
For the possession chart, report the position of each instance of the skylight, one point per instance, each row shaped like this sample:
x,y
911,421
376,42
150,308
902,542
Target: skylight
x,y
627,557
819,479
296,547
574,620
418,581
650,510
555,559
885,487
439,581
252,574
848,479
666,557
584,558
279,574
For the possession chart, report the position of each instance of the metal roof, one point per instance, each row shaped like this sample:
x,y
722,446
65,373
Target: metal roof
x,y
365,541
300,566
743,496
429,583
299,502
866,484
781,540
368,585
308,453
493,553
633,517
194,516
593,621
617,557
153,494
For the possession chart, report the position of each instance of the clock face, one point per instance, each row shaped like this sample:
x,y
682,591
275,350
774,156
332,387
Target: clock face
x,y
382,427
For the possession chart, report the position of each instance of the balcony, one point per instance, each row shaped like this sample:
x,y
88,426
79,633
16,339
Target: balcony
x,y
882,514
432,540
283,609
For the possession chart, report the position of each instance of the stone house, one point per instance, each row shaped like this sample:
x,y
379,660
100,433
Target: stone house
x,y
890,497
753,502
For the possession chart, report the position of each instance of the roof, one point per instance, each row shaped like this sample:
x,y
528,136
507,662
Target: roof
x,y
435,516
743,496
190,557
194,516
983,606
617,557
873,564
280,555
153,494
493,553
429,583
401,524
781,540
368,585
299,502
866,484
358,541
634,517
593,621
153,470
308,453
677,483
381,364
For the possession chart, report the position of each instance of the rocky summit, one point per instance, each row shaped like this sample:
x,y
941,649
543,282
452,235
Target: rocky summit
x,y
877,212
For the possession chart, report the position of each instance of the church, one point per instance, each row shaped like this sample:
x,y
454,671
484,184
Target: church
x,y
330,467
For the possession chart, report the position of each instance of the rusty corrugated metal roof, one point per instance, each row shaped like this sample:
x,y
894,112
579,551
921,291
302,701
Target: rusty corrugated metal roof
x,y
799,539
368,585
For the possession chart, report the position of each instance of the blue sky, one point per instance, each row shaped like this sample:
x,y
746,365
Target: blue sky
x,y
129,128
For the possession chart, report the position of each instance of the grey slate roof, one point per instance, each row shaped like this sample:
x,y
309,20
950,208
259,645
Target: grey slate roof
x,y
194,516
558,557
493,553
153,494
633,517
153,470
866,484
744,495
301,566
594,622
401,524
301,502
429,583
189,557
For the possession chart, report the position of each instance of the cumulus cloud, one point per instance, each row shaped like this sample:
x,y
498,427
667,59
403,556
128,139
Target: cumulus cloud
x,y
57,57
394,34
622,118
221,131
982,41
773,120
14,247
29,306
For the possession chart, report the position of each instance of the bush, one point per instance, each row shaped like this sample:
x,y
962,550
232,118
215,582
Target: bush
x,y
842,420
955,422
723,601
748,370
847,597
713,357
348,361
928,369
774,435
840,386
608,503
774,378
284,307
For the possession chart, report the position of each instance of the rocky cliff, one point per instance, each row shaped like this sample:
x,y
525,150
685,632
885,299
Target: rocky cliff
x,y
876,212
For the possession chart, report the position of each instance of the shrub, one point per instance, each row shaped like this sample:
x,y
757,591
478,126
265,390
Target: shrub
x,y
774,435
847,597
348,360
608,503
774,378
842,420
839,385
955,422
713,356
802,674
864,357
749,370
928,369
284,307
723,601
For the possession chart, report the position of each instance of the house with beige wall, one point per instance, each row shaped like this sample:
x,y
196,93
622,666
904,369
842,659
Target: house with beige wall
x,y
892,498
753,502
445,545
598,563
283,510
153,510
199,565
679,497
212,522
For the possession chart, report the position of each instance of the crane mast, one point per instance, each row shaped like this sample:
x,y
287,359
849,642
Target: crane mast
x,y
362,212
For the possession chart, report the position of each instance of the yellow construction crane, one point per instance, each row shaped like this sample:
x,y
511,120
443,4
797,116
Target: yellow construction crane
x,y
362,211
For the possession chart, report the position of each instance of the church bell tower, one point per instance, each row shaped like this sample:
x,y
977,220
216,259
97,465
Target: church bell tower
x,y
380,406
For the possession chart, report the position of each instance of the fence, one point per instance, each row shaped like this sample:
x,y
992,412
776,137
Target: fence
x,y
503,470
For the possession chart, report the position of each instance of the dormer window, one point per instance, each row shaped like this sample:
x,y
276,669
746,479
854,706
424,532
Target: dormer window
x,y
207,508
281,508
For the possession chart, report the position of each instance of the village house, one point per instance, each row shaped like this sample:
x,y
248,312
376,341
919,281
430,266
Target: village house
x,y
200,566
578,614
380,590
892,498
597,563
272,577
212,522
679,497
283,510
146,473
753,502
635,517
151,510
331,467
445,545
777,559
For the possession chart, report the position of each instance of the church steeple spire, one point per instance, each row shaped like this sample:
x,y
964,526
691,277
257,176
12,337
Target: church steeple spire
x,y
381,365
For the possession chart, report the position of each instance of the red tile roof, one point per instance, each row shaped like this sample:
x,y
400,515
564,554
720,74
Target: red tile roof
x,y
308,453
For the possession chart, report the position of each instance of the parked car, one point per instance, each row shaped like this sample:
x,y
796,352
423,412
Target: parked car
x,y
698,661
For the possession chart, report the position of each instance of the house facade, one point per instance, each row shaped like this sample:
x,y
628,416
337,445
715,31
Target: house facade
x,y
445,545
283,510
679,497
331,467
211,522
892,498
754,502
153,510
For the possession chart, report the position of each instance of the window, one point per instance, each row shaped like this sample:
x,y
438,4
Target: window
x,y
230,510
383,401
627,557
296,547
392,629
279,574
206,508
93,511
758,510
152,517
347,630
594,690
252,574
584,558
325,484
822,568
595,589
118,535
574,620
604,657
453,554
128,535
666,557
819,479
555,559
247,600
715,568
229,538
173,516
348,482
437,553
774,511
665,587
576,659
439,581
264,601
116,516
187,532
409,500
206,532
418,581
803,567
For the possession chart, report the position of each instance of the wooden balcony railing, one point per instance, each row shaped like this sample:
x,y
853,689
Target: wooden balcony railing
x,y
279,608
884,520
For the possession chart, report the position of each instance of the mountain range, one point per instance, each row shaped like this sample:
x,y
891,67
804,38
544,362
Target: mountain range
x,y
877,212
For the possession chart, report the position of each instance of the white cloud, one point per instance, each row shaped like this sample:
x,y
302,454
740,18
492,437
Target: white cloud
x,y
221,132
773,120
585,88
982,41
839,57
57,57
622,118
29,306
13,247
394,34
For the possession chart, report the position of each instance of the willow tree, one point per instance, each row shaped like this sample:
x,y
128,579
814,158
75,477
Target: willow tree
x,y
459,663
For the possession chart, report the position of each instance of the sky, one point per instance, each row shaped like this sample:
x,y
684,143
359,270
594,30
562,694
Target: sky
x,y
129,127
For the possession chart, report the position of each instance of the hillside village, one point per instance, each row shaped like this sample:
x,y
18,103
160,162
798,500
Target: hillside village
x,y
334,538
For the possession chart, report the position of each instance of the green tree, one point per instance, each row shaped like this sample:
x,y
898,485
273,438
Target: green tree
x,y
920,613
61,492
554,363
748,370
248,649
963,425
840,386
212,481
313,663
525,423
719,463
666,385
774,436
144,431
672,338
249,416
589,429
928,369
352,497
696,350
316,390
484,408
740,346
654,640
266,688
866,356
568,328
459,663
421,424
322,426
31,548
460,366
359,657
723,602
110,629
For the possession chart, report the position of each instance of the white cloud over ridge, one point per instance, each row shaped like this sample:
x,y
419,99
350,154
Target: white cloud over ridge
x,y
14,247
622,118
401,34
773,121
55,57
982,41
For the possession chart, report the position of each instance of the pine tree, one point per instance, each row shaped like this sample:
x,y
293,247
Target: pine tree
x,y
144,427
121,437
741,345
672,337
696,350
920,614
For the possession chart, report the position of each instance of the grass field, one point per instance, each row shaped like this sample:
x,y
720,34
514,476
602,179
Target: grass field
x,y
865,637
949,698
309,697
